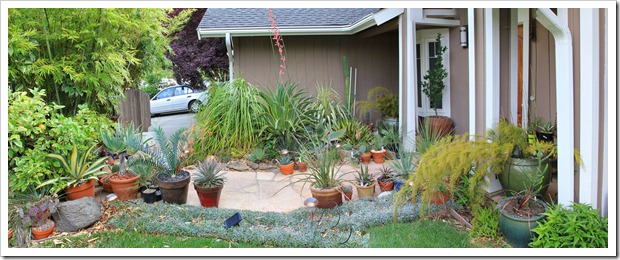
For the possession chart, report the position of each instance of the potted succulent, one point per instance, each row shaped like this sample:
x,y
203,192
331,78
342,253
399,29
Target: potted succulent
x,y
168,157
545,132
365,182
81,174
323,173
38,217
386,179
286,164
124,183
364,154
208,182
347,192
377,151
433,86
302,161
521,213
149,191
402,167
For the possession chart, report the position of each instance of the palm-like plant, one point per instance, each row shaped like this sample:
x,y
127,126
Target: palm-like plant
x,y
209,173
123,140
287,114
78,167
169,155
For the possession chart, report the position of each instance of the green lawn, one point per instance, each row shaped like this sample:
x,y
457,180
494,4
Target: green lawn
x,y
130,239
418,234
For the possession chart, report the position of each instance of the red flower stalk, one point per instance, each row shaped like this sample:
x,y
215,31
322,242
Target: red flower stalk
x,y
278,42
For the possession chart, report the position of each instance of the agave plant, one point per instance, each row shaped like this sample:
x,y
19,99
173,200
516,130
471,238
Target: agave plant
x,y
124,140
209,173
364,177
78,168
169,155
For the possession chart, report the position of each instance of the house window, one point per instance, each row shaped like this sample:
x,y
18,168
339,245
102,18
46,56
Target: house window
x,y
426,55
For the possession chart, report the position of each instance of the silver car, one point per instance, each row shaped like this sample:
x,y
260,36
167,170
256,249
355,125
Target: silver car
x,y
177,99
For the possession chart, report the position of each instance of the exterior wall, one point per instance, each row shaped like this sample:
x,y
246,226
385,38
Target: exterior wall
x,y
312,60
459,77
480,74
504,63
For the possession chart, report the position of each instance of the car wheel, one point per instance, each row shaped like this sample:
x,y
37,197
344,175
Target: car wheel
x,y
194,105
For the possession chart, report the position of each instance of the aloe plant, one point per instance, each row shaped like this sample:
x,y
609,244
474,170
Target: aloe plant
x,y
78,168
209,173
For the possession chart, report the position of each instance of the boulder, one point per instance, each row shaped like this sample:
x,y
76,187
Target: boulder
x,y
265,167
238,166
252,165
77,214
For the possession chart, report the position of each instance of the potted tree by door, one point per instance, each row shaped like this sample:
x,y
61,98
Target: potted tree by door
x,y
81,173
377,151
365,182
208,182
433,86
121,142
168,157
386,179
521,213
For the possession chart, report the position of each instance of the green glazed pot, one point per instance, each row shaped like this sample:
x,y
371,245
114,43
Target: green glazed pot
x,y
514,177
517,231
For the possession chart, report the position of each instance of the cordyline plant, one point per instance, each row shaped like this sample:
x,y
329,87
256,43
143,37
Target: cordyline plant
x,y
433,84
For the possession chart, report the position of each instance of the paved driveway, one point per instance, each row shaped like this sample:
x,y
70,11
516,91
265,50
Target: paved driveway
x,y
171,123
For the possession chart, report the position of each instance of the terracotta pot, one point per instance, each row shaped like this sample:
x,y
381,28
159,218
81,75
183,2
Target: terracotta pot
x,y
378,156
365,191
174,191
348,196
83,190
10,234
327,198
125,187
442,125
104,181
302,166
41,234
385,185
365,157
208,196
439,198
287,169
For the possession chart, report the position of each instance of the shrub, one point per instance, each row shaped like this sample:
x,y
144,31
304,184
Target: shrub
x,y
578,227
229,120
327,107
486,223
355,132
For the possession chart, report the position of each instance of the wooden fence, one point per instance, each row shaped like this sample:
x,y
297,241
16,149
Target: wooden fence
x,y
136,108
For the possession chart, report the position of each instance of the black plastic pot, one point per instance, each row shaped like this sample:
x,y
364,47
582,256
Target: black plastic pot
x,y
149,195
547,137
174,191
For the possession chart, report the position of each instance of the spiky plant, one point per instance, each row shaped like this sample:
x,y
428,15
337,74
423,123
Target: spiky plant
x,y
124,140
169,155
78,167
209,173
364,177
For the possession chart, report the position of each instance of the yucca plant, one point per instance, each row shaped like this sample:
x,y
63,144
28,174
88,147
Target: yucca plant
x,y
209,173
78,167
364,177
121,142
426,138
327,107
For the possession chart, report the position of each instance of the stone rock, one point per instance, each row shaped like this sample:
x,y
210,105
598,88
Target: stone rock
x,y
238,166
253,165
383,194
77,214
265,167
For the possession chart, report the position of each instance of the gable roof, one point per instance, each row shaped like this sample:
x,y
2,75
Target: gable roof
x,y
216,22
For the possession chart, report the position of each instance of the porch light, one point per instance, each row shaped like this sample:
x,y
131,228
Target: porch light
x,y
463,31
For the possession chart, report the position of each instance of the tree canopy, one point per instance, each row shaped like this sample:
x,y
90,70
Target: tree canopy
x,y
87,56
192,60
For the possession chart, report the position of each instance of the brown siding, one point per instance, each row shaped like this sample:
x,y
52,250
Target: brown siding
x,y
459,78
312,60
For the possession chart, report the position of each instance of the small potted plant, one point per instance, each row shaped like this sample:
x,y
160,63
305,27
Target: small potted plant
x,y
402,167
286,164
532,128
377,151
149,190
347,192
168,157
302,161
81,174
208,182
364,154
545,132
365,182
386,179
38,217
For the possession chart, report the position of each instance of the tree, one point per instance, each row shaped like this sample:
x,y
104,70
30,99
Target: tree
x,y
86,56
191,58
433,84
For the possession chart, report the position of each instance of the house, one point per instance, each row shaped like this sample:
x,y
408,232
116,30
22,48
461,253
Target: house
x,y
519,63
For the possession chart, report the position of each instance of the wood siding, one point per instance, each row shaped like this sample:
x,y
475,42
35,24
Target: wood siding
x,y
459,78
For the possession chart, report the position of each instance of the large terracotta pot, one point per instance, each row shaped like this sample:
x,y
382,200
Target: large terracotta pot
x,y
174,191
208,196
439,198
125,187
83,190
517,231
442,125
378,156
287,169
515,175
365,157
327,198
365,191
41,234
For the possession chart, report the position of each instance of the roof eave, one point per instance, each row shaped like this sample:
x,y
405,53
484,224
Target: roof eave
x,y
363,24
